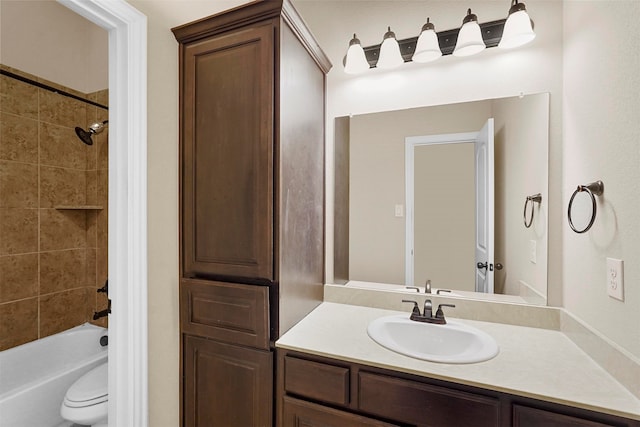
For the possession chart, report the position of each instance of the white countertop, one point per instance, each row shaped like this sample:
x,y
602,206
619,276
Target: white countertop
x,y
538,363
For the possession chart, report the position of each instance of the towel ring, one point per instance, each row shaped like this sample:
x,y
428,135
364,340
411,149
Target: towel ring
x,y
536,198
595,188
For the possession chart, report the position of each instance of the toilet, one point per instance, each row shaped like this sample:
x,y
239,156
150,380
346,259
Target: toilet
x,y
86,401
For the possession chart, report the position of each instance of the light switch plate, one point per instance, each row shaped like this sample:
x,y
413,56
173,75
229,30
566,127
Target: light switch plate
x,y
615,278
399,211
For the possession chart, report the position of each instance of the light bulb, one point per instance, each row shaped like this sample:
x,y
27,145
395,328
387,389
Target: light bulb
x,y
390,56
427,48
469,37
355,62
518,30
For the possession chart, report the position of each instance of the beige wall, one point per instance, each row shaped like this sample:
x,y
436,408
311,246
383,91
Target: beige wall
x,y
521,147
48,40
377,183
492,74
601,133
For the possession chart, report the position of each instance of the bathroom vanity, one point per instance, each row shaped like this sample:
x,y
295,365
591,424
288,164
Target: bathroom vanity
x,y
331,373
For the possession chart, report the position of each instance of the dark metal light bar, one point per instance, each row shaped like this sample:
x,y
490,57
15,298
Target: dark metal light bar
x,y
491,34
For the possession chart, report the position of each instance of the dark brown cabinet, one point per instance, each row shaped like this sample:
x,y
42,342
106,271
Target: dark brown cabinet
x,y
252,102
317,391
216,379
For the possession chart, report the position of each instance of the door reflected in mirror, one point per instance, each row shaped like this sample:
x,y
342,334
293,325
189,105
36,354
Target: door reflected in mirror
x,y
378,226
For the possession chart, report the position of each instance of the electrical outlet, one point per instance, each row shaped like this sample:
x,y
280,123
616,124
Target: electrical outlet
x,y
615,278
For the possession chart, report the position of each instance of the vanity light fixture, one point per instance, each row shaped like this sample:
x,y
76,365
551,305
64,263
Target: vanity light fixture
x,y
355,62
473,37
518,30
470,37
427,46
390,56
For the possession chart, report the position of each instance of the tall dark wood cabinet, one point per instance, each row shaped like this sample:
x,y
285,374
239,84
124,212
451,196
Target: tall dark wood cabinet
x,y
252,105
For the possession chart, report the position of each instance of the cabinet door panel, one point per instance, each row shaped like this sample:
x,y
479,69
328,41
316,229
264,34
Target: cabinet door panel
x,y
229,312
524,416
318,381
226,385
423,404
228,155
298,413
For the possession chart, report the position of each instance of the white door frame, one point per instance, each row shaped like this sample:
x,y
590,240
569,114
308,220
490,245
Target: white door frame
x,y
127,27
410,143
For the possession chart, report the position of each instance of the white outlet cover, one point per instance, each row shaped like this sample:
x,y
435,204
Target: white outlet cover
x,y
615,278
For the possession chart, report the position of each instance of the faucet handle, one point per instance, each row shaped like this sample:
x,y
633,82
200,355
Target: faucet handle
x,y
427,287
440,313
413,288
416,309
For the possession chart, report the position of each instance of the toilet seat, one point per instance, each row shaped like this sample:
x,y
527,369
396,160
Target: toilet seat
x,y
90,389
86,401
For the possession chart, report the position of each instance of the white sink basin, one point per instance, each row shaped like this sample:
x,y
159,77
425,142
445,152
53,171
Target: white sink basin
x,y
451,343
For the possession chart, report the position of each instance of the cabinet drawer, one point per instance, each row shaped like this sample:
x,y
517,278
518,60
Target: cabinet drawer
x,y
416,403
298,413
227,312
318,381
524,416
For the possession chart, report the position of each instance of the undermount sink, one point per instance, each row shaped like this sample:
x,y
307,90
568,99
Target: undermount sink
x,y
451,343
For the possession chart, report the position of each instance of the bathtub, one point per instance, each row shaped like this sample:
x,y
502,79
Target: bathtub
x,y
34,377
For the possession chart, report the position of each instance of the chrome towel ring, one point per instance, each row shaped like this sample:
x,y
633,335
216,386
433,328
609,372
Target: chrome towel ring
x,y
536,198
594,189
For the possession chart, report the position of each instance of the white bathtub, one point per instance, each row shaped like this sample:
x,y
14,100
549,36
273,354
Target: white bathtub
x,y
34,377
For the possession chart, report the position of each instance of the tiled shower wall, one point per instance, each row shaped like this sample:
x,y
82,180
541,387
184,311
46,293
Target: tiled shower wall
x,y
53,211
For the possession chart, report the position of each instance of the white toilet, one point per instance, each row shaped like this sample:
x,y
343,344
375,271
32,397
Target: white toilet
x,y
87,399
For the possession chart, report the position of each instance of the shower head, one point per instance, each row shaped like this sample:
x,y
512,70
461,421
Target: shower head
x,y
94,129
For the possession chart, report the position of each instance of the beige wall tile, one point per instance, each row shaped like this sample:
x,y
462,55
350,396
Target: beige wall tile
x,y
18,98
103,188
18,277
18,138
62,110
63,270
18,231
92,229
60,146
62,229
18,185
102,270
60,186
64,310
91,267
102,147
92,187
18,322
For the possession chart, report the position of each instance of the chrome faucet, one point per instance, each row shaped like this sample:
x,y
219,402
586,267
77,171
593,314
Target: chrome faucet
x,y
427,311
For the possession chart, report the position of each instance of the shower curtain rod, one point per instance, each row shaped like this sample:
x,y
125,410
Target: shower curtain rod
x,y
50,88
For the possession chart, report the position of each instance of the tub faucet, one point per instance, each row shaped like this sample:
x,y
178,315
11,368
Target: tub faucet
x,y
102,313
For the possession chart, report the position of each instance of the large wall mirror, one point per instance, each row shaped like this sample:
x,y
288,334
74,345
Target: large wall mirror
x,y
418,198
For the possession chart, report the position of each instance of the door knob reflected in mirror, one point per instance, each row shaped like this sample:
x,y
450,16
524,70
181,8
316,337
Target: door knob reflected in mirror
x,y
484,265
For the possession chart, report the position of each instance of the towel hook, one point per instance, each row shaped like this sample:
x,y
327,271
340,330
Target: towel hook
x,y
595,188
535,198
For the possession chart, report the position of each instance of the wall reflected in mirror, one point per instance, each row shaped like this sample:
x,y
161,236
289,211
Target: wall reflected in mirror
x,y
371,201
